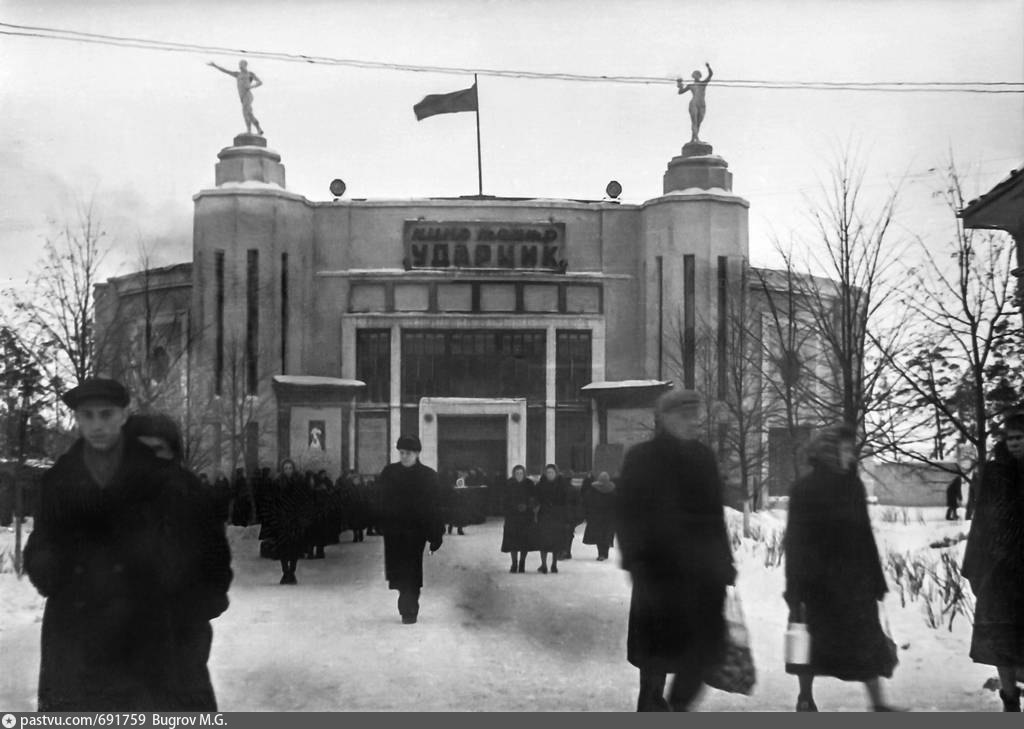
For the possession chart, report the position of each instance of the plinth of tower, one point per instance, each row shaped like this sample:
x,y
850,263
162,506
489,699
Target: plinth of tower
x,y
697,167
249,160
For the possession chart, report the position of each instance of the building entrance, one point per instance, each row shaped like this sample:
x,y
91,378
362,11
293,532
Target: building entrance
x,y
474,448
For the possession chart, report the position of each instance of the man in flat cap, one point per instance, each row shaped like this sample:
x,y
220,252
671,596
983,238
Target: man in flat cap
x,y
410,519
674,542
105,553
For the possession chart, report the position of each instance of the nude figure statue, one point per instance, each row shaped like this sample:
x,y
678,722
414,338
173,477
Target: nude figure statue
x,y
697,105
247,81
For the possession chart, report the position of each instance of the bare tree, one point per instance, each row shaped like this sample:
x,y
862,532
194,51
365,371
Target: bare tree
x,y
964,366
786,340
855,255
61,301
145,338
727,368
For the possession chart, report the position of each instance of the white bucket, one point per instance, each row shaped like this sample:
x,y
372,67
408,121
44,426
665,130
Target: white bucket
x,y
798,644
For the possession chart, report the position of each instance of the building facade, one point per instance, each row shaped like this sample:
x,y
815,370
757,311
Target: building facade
x,y
501,331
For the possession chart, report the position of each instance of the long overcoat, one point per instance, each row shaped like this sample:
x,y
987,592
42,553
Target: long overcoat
x,y
553,518
207,560
410,519
520,532
599,509
111,564
674,542
994,563
291,517
834,571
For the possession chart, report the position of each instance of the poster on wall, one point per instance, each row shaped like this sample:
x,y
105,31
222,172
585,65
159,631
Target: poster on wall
x,y
317,437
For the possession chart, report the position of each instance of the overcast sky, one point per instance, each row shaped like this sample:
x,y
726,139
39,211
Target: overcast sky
x,y
141,128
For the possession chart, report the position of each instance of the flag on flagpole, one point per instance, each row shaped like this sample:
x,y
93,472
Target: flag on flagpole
x,y
462,100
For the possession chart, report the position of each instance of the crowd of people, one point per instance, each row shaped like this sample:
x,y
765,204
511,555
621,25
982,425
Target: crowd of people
x,y
130,550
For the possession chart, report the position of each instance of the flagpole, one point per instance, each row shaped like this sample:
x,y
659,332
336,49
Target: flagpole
x,y
479,166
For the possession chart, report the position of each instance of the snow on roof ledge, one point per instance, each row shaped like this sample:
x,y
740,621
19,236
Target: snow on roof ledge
x,y
250,185
624,385
314,381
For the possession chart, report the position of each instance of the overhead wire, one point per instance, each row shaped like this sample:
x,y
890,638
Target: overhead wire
x,y
45,33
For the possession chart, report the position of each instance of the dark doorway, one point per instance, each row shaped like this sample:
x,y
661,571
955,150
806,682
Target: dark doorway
x,y
476,446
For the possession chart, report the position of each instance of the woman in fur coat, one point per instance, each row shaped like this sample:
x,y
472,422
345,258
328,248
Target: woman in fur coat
x,y
834,575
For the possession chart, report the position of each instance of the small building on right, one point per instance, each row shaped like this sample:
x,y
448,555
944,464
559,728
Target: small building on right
x,y
1002,208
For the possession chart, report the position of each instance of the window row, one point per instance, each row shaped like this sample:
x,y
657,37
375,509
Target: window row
x,y
476,297
474,363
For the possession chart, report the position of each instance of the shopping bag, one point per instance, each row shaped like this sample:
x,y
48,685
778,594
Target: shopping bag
x,y
735,673
892,651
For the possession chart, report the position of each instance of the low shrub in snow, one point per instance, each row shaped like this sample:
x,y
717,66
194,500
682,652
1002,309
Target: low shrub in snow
x,y
936,583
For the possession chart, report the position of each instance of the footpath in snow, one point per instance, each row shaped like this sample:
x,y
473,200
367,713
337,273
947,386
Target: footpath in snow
x,y
488,640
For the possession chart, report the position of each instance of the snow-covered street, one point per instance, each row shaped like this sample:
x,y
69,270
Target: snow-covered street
x,y
488,640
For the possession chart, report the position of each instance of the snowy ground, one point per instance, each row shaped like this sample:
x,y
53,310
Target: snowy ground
x,y
488,640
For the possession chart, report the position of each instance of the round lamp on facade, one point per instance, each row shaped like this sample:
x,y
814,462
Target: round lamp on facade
x,y
613,190
337,187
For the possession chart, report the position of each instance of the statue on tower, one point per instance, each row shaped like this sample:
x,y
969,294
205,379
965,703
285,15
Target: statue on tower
x,y
247,81
697,105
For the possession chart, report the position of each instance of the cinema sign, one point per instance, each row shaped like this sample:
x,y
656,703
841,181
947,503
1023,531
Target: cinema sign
x,y
531,246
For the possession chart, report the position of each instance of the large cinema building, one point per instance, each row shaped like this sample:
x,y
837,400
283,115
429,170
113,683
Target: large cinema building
x,y
501,331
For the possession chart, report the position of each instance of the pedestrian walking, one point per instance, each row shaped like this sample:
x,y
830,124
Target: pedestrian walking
x,y
834,578
206,557
552,517
953,497
221,496
291,518
519,533
599,508
410,520
673,539
322,529
241,499
354,512
111,555
994,563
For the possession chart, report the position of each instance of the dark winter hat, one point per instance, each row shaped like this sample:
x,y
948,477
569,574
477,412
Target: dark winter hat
x,y
97,388
409,443
156,425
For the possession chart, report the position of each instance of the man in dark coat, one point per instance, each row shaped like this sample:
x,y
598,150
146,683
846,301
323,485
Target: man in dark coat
x,y
994,563
106,551
207,560
953,496
673,539
410,520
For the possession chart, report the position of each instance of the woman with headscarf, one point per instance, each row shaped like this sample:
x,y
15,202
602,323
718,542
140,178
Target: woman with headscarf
x,y
205,554
599,508
834,578
291,518
519,534
553,516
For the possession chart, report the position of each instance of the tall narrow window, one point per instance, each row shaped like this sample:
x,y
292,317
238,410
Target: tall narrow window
x,y
661,315
572,364
689,320
373,364
284,313
723,326
218,287
252,319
